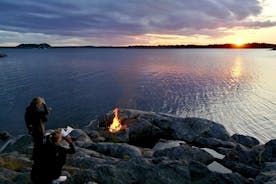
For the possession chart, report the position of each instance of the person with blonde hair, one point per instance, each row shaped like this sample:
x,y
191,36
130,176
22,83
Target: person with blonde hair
x,y
50,158
35,119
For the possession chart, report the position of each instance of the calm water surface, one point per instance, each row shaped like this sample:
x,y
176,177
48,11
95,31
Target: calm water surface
x,y
234,87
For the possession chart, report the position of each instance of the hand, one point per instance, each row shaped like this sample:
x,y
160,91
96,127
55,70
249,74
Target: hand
x,y
68,139
43,101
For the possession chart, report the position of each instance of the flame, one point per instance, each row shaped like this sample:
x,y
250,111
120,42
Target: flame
x,y
116,125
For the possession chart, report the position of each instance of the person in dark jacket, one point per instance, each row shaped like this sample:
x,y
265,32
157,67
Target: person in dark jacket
x,y
35,119
50,158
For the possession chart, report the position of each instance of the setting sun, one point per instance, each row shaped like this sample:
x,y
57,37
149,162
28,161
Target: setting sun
x,y
239,43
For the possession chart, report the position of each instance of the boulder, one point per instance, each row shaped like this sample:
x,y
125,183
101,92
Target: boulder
x,y
214,143
84,176
94,125
200,174
164,144
186,153
245,155
88,162
143,134
93,134
269,154
218,168
190,129
10,177
214,153
21,144
141,171
187,129
223,150
243,169
268,173
247,141
79,135
117,150
266,177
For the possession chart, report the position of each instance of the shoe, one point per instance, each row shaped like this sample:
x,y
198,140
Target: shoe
x,y
59,180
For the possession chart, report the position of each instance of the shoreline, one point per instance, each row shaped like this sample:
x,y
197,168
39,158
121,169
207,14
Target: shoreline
x,y
154,145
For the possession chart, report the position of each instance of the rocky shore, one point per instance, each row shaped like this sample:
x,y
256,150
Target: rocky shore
x,y
152,149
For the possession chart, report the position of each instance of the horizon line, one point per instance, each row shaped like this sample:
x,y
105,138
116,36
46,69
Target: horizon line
x,y
222,45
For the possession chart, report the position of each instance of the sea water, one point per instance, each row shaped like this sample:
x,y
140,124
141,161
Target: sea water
x,y
234,87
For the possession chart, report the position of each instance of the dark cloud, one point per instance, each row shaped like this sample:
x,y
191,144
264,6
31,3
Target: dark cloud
x,y
108,18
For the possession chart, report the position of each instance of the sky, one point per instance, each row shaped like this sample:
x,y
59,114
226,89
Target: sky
x,y
136,22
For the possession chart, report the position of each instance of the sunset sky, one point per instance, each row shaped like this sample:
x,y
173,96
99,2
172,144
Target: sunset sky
x,y
136,22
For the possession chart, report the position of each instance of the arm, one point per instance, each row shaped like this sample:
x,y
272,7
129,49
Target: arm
x,y
44,114
71,149
46,109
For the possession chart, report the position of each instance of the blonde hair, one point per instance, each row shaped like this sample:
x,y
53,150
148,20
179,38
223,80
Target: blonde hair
x,y
36,101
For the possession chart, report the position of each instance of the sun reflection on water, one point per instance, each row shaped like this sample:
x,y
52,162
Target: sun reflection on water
x,y
237,68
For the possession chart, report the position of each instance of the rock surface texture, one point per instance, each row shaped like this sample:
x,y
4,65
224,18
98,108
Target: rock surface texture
x,y
151,149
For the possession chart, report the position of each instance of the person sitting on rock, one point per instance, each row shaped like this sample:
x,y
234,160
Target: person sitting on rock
x,y
35,119
50,158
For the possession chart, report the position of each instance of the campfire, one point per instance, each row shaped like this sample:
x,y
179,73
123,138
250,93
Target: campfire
x,y
116,125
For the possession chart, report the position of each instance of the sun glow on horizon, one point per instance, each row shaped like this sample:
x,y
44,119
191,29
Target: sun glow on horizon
x,y
239,43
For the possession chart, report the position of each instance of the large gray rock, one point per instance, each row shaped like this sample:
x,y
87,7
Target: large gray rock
x,y
88,162
190,129
269,154
143,134
83,176
243,169
187,129
21,144
186,153
268,174
11,177
217,167
136,170
247,141
164,144
200,174
142,171
79,135
245,155
214,143
118,150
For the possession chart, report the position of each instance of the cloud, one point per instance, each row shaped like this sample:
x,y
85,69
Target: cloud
x,y
106,19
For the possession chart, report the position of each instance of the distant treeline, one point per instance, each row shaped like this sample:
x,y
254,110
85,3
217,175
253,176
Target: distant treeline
x,y
227,45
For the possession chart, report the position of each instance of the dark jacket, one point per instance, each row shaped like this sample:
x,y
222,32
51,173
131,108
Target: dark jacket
x,y
49,159
35,121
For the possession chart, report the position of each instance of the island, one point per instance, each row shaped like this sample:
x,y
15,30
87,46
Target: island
x,y
31,46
